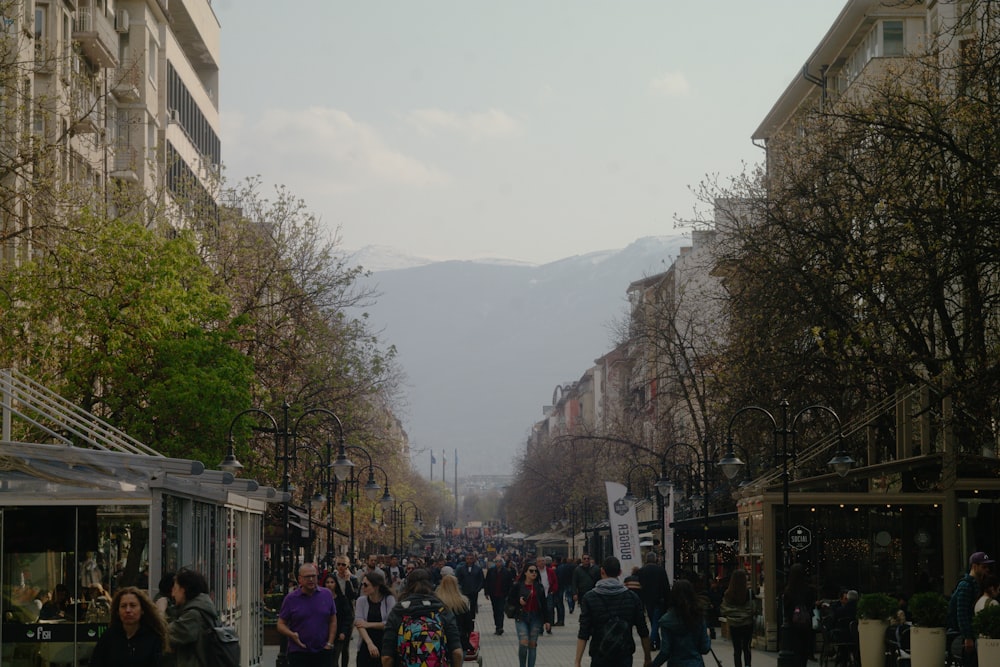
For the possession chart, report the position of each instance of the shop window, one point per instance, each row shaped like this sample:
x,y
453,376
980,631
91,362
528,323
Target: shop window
x,y
59,568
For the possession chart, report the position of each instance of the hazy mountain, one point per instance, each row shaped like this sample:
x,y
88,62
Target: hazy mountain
x,y
485,343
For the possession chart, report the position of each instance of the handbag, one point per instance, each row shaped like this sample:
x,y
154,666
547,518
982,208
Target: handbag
x,y
511,608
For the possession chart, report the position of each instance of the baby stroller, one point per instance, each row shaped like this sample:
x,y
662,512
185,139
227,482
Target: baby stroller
x,y
471,647
470,637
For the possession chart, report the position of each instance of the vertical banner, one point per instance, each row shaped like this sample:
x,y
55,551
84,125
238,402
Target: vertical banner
x,y
624,529
668,533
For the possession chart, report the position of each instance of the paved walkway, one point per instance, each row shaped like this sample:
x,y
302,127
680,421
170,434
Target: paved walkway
x,y
557,649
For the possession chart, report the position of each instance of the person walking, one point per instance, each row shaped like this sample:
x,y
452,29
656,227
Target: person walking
x,y
470,580
961,606
798,596
585,576
528,595
137,635
350,588
370,613
308,618
564,574
194,613
420,610
345,621
738,609
456,602
683,631
654,591
499,580
608,613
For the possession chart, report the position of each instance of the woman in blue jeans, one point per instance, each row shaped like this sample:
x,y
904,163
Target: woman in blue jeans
x,y
528,593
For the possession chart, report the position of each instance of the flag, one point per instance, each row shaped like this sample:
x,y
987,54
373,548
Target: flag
x,y
433,460
624,528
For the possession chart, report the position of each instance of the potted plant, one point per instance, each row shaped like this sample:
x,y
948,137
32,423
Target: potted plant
x,y
927,636
986,625
874,611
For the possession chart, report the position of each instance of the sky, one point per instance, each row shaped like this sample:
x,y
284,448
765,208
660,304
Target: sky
x,y
529,130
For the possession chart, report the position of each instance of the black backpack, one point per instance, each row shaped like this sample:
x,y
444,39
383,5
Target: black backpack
x,y
616,636
220,644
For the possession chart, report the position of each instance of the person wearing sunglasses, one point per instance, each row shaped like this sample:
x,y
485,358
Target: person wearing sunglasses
x,y
370,613
529,594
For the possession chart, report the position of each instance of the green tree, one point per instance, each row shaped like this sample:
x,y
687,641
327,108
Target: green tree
x,y
123,321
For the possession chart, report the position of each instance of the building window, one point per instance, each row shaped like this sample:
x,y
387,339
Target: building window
x,y
153,57
892,38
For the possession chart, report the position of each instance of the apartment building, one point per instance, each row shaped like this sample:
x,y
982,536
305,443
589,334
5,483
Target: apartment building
x,y
107,103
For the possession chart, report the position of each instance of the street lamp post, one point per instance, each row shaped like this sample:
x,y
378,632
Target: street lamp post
x,y
347,473
731,465
285,451
400,515
699,478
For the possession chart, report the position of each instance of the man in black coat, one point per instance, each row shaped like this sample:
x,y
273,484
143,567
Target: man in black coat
x,y
608,600
655,593
470,580
499,580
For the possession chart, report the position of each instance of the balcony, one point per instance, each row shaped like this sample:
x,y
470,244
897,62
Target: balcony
x,y
127,162
96,35
126,82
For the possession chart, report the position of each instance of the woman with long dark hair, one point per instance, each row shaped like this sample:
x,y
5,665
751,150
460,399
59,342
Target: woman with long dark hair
x,y
345,620
797,603
370,613
195,613
528,595
738,608
137,636
683,633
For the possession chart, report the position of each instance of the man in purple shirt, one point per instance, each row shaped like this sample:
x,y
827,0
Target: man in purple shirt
x,y
308,617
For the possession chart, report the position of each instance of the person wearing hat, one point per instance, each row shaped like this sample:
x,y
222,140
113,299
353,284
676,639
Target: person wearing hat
x,y
960,607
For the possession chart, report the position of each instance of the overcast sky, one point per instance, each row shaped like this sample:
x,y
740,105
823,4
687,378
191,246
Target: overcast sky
x,y
521,129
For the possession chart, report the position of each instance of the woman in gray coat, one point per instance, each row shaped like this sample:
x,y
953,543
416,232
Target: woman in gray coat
x,y
193,614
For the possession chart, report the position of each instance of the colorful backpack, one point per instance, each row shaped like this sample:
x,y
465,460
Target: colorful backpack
x,y
420,641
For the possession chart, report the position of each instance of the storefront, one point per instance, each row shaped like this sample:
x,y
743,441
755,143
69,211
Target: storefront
x,y
90,511
883,528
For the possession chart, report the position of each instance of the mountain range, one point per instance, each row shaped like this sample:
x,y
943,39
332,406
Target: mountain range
x,y
484,343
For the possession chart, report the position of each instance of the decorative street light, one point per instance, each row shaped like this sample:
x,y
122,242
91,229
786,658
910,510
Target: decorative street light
x,y
399,517
581,511
285,454
731,465
371,487
285,451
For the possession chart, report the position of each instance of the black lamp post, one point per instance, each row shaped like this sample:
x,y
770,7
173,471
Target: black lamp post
x,y
731,465
698,474
399,515
285,450
325,495
581,511
285,454
371,490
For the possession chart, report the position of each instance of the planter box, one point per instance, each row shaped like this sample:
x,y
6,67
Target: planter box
x,y
871,639
989,651
927,647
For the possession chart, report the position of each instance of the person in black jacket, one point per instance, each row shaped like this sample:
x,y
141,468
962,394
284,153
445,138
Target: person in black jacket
x,y
609,600
798,598
137,635
654,593
529,595
345,620
499,580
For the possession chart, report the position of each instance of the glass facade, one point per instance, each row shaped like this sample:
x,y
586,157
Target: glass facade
x,y
59,567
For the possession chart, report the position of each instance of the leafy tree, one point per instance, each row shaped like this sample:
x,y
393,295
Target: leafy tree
x,y
123,321
866,258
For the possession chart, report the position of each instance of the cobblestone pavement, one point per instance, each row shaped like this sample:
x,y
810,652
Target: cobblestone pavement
x,y
557,649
